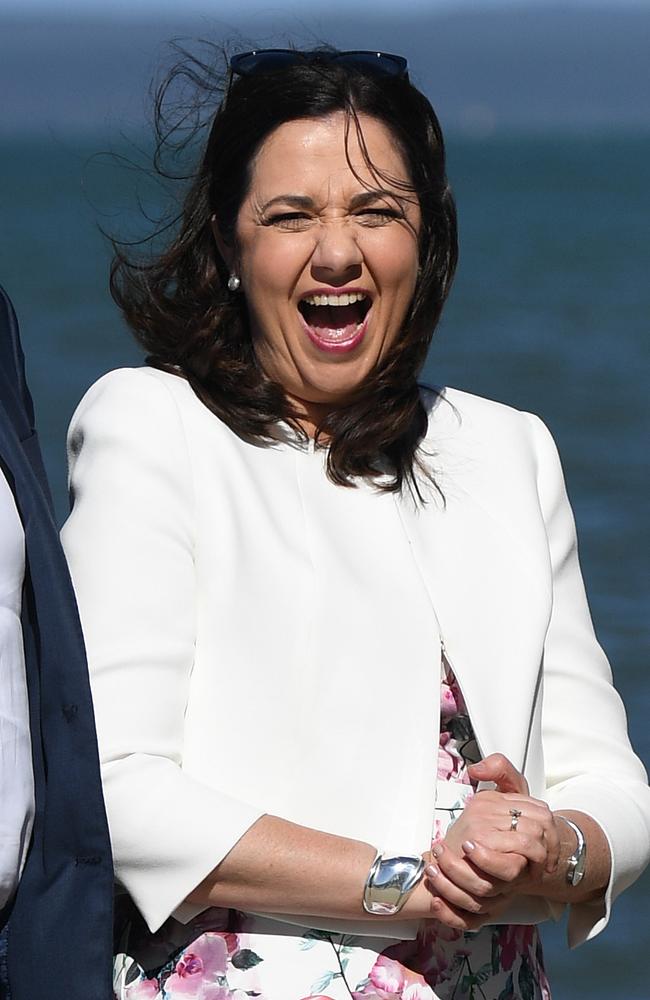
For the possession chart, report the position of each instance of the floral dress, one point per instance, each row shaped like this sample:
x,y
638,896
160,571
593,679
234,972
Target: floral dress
x,y
227,955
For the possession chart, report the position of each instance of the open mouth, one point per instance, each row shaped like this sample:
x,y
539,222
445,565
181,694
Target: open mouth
x,y
335,322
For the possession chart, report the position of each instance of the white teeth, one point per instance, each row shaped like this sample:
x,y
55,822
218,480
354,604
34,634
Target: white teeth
x,y
345,299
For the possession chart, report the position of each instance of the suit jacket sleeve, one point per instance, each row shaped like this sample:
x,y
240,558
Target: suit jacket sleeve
x,y
590,765
130,544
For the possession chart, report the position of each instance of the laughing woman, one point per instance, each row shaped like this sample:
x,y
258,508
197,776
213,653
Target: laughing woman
x,y
325,607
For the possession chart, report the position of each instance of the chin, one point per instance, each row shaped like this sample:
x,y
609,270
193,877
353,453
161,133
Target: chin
x,y
339,392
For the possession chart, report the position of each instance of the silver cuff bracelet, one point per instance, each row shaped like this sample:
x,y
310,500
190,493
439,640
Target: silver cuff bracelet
x,y
390,882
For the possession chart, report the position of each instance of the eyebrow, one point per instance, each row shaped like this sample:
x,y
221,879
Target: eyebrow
x,y
358,201
295,200
375,194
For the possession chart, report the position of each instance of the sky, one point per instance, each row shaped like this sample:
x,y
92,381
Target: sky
x,y
486,64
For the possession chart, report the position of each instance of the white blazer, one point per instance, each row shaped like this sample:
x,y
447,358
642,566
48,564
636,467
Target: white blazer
x,y
226,685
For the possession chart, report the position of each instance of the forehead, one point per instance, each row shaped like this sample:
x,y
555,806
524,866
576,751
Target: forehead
x,y
313,152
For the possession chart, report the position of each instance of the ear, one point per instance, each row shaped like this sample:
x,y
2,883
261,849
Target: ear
x,y
226,250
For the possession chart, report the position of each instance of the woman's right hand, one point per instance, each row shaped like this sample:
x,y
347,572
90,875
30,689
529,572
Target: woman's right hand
x,y
483,862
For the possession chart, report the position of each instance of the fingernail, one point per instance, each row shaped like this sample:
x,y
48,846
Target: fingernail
x,y
468,846
432,871
437,850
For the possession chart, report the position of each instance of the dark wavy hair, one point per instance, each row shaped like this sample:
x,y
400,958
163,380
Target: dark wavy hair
x,y
176,300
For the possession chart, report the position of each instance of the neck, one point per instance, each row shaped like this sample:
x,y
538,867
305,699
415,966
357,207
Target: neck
x,y
309,415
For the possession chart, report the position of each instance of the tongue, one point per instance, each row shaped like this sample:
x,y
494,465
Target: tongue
x,y
334,323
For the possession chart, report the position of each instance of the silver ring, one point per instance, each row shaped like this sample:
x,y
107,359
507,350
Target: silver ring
x,y
515,813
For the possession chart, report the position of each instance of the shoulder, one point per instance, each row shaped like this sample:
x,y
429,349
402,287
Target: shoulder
x,y
129,433
148,385
449,408
131,401
128,445
486,440
455,415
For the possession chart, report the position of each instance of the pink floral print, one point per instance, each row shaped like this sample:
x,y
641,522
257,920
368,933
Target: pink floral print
x,y
145,989
389,979
199,973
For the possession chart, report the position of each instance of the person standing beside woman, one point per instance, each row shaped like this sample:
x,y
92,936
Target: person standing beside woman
x,y
55,861
326,606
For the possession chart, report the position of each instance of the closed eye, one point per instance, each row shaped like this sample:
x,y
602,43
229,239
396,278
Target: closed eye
x,y
288,220
378,216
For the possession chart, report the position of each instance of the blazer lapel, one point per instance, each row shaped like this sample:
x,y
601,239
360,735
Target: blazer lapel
x,y
22,463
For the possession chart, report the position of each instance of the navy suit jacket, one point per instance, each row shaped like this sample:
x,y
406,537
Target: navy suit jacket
x,y
60,933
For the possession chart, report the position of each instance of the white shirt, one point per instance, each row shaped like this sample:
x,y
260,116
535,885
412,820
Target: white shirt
x,y
16,776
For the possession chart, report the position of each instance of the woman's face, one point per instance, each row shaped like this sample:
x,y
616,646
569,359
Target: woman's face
x,y
327,253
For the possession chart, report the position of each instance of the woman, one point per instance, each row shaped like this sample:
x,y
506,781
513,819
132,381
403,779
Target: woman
x,y
324,607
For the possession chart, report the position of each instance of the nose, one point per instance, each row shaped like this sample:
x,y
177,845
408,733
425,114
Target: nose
x,y
337,257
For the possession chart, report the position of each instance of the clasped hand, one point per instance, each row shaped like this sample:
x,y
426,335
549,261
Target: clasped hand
x,y
487,857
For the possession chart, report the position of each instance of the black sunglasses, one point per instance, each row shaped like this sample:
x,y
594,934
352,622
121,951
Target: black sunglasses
x,y
261,61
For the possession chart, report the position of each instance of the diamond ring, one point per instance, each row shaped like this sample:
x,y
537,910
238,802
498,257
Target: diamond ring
x,y
515,813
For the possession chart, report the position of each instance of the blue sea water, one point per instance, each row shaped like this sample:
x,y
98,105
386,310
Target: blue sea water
x,y
549,313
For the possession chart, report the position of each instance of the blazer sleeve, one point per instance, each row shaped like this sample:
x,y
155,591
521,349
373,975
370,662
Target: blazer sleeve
x,y
130,544
590,765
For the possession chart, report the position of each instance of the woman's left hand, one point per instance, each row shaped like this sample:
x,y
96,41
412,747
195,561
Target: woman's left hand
x,y
503,844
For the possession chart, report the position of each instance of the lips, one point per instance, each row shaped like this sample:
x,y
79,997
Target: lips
x,y
335,321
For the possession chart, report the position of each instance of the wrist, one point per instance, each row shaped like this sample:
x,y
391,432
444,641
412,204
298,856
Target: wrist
x,y
390,882
573,858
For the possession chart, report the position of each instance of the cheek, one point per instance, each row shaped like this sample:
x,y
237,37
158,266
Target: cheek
x,y
395,264
272,266
269,273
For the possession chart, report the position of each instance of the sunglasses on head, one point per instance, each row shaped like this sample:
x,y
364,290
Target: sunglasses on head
x,y
261,61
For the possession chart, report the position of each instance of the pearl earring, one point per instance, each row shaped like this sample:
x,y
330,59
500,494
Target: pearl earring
x,y
233,283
